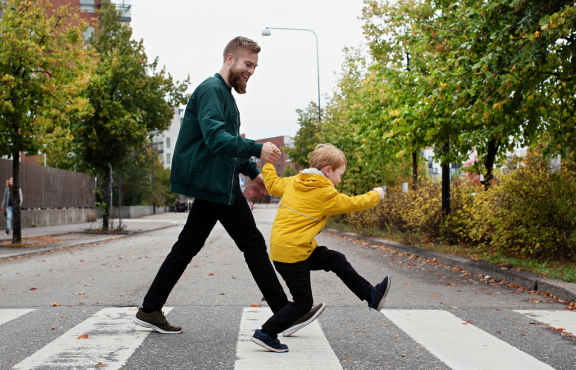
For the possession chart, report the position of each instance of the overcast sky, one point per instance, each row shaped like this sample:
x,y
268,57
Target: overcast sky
x,y
189,38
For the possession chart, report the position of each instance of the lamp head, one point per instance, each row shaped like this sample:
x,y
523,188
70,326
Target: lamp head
x,y
266,32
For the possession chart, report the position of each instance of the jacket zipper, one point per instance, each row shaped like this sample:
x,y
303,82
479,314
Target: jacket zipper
x,y
234,171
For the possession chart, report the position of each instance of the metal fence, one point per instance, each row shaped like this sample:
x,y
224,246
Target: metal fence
x,y
46,187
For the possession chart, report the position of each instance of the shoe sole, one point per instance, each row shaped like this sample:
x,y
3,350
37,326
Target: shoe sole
x,y
154,327
381,303
260,343
288,332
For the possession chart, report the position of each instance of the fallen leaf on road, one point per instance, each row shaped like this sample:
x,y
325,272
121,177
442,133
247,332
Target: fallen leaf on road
x,y
523,334
221,293
53,329
132,309
196,266
434,295
210,274
100,364
186,273
81,260
83,336
470,321
254,305
233,277
452,306
56,304
87,285
560,329
464,323
79,293
33,288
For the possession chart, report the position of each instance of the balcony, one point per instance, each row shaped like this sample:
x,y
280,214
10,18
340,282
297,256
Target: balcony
x,y
125,10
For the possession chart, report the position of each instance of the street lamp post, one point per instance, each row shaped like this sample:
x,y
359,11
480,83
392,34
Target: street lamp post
x,y
267,32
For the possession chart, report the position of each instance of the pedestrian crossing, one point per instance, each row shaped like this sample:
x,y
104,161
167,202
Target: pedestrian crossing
x,y
108,338
461,345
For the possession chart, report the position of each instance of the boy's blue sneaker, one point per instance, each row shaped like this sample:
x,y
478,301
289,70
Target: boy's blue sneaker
x,y
379,293
266,341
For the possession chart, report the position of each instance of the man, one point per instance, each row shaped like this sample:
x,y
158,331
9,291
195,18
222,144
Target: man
x,y
209,155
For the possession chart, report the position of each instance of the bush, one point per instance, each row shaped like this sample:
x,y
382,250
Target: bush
x,y
530,211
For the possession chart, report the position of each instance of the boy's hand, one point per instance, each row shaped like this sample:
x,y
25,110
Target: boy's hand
x,y
380,191
270,153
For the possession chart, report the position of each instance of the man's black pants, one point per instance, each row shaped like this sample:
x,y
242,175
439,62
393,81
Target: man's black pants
x,y
239,222
297,277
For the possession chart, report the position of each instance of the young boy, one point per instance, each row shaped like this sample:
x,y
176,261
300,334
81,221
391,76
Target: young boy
x,y
307,200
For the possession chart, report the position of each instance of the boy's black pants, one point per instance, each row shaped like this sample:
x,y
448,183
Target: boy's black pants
x,y
239,222
297,277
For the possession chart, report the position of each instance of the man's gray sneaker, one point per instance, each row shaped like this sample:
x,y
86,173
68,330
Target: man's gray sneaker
x,y
156,321
305,320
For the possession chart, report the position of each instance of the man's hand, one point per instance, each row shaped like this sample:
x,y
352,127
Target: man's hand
x,y
270,153
259,182
380,191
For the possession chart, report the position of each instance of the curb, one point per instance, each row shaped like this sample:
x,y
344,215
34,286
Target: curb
x,y
111,236
558,288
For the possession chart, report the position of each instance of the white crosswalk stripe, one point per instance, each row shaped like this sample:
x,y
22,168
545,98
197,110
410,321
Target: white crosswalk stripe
x,y
308,348
9,314
556,319
461,346
112,338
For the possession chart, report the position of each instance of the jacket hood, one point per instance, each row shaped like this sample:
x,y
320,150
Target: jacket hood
x,y
311,179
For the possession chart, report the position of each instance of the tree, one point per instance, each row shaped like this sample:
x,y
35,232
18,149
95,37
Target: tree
x,y
130,98
356,122
307,137
44,65
289,171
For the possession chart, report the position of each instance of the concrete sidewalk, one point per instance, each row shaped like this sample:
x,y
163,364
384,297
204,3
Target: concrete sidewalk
x,y
42,239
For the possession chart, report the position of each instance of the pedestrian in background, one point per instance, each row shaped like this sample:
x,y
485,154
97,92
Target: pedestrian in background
x,y
177,206
9,205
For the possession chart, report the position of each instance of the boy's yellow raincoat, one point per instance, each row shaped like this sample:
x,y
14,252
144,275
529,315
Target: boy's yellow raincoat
x,y
307,200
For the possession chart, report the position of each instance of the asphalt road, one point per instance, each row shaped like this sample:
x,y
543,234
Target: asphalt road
x,y
434,318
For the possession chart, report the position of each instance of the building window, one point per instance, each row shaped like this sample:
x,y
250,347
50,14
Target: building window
x,y
167,142
88,6
168,158
89,31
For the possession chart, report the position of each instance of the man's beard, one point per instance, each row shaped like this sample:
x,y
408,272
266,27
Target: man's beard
x,y
236,80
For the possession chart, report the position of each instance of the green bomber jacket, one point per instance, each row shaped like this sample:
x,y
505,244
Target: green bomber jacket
x,y
209,152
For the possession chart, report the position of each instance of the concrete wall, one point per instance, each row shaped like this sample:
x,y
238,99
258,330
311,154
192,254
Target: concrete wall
x,y
136,211
51,217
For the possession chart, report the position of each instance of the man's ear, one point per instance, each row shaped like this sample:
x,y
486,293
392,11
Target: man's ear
x,y
229,59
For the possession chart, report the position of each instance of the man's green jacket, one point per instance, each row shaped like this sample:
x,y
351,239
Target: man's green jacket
x,y
209,152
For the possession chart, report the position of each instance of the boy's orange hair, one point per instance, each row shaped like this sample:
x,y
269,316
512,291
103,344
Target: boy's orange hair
x,y
327,155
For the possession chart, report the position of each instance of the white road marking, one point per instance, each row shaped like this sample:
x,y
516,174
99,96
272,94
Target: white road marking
x,y
9,314
112,338
556,319
308,348
461,346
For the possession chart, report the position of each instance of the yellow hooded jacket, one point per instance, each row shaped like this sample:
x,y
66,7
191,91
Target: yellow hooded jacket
x,y
307,200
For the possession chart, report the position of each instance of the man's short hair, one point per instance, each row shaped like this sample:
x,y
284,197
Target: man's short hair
x,y
237,44
327,155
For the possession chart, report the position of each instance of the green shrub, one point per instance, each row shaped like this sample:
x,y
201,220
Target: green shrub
x,y
530,211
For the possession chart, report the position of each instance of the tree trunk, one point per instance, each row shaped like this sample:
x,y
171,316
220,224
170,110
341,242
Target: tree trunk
x,y
105,199
414,170
446,184
493,147
15,199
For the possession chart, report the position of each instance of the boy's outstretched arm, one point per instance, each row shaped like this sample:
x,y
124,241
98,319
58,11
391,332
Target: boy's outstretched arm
x,y
336,203
274,184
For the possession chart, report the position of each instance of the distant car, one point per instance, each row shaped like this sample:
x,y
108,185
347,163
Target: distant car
x,y
250,204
